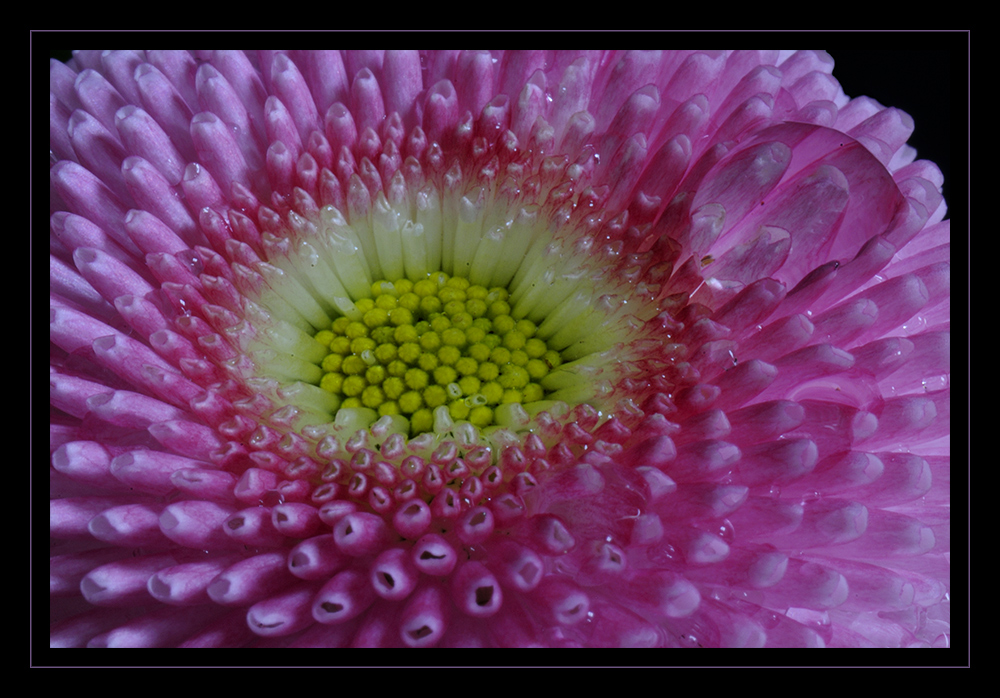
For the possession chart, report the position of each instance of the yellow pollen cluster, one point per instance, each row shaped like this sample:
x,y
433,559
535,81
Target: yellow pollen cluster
x,y
437,341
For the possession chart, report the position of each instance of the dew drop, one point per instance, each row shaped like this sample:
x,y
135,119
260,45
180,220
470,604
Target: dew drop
x,y
935,383
192,261
726,531
272,498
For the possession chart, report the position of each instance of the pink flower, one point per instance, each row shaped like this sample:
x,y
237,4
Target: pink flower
x,y
731,279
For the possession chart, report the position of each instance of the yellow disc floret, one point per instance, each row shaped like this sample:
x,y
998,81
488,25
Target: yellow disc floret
x,y
332,362
376,317
417,345
372,396
435,396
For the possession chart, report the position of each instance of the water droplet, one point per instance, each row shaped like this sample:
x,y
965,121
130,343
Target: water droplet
x,y
726,531
192,261
272,498
934,383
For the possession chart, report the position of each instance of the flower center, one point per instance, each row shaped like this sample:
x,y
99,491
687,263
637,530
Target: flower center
x,y
490,312
438,342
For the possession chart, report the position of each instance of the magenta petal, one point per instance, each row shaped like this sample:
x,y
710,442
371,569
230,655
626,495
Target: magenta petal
x,y
708,403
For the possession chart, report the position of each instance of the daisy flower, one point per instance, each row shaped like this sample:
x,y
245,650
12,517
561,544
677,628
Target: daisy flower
x,y
475,349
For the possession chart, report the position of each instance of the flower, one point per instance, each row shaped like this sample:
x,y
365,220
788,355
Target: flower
x,y
636,349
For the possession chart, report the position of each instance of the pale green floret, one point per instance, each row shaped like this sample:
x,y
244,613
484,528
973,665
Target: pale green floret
x,y
409,302
416,379
409,352
341,345
535,348
447,295
383,334
430,341
498,309
458,409
332,382
533,392
362,344
376,317
331,362
394,387
462,320
372,396
526,327
411,401
500,356
476,400
428,361
356,329
481,416
353,365
380,287
493,392
397,368
401,316
385,303
480,352
415,346
421,421
497,294
389,407
513,377
430,304
453,308
375,375
474,335
435,396
453,337
424,288
514,340
502,324
477,292
537,369
354,386
324,337
405,333
488,371
445,374
449,355
475,307
466,366
469,385
511,396
385,353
